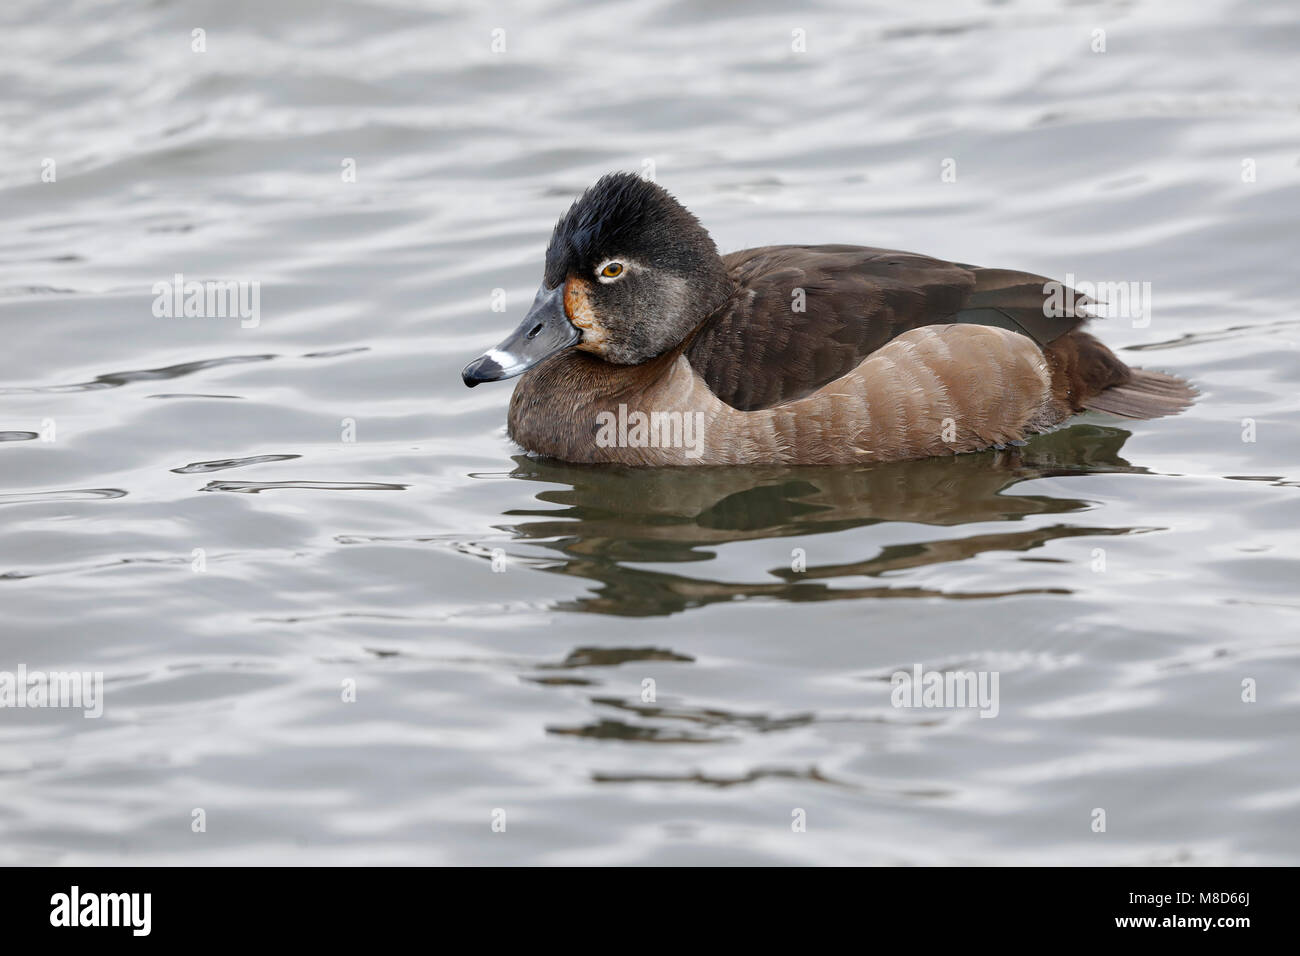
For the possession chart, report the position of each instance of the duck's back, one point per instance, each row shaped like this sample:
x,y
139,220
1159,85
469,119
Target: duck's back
x,y
804,316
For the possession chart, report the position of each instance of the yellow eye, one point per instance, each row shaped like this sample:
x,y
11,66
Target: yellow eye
x,y
612,271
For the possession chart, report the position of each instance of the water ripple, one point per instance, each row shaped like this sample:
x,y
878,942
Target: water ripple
x,y
256,487
220,464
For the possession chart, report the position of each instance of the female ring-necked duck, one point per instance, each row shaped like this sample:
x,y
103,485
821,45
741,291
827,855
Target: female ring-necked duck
x,y
644,346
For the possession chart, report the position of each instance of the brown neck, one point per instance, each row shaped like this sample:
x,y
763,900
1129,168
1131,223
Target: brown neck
x,y
554,407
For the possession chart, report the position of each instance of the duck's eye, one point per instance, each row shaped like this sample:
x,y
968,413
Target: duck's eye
x,y
613,270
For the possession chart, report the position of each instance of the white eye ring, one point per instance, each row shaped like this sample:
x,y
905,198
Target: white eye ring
x,y
600,270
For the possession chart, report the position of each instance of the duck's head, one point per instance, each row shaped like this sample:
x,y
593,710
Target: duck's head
x,y
629,273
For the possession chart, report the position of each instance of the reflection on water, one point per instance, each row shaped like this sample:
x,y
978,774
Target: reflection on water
x,y
611,519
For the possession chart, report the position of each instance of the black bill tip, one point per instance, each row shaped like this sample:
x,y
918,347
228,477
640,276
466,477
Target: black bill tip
x,y
482,369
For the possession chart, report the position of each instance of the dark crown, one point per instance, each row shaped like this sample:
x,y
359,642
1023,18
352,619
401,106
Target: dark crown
x,y
623,214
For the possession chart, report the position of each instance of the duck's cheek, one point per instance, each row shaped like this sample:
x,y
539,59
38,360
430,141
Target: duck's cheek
x,y
578,307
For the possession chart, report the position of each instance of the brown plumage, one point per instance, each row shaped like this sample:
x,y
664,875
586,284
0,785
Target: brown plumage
x,y
823,309
790,354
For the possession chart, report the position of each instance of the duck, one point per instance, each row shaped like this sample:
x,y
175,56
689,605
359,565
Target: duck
x,y
646,347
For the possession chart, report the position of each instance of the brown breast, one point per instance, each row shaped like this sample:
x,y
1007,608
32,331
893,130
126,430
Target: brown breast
x,y
934,390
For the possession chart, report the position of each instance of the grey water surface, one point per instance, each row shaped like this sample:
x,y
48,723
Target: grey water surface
x,y
239,524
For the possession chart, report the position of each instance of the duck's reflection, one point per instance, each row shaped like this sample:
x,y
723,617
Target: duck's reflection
x,y
612,519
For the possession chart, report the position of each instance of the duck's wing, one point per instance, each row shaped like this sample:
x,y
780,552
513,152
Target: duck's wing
x,y
804,316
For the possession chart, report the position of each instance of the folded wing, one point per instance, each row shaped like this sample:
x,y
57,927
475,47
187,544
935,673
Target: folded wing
x,y
804,316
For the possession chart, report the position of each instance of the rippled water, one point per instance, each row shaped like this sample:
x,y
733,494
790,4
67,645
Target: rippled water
x,y
371,561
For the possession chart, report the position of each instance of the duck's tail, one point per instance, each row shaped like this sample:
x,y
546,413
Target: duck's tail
x,y
1145,395
1088,375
